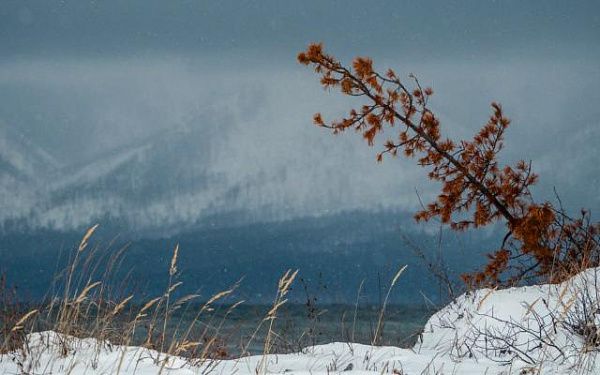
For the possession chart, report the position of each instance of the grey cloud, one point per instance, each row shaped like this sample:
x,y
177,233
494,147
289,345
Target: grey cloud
x,y
431,29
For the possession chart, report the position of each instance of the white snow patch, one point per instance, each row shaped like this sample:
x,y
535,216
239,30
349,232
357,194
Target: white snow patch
x,y
512,331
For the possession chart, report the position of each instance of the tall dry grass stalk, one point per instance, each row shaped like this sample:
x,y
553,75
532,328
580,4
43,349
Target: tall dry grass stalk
x,y
356,309
283,287
379,326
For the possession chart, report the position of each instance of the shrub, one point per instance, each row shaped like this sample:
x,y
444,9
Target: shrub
x,y
541,241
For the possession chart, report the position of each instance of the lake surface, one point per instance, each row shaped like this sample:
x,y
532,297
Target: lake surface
x,y
301,325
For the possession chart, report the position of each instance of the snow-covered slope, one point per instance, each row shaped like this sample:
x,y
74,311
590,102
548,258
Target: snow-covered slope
x,y
22,168
528,330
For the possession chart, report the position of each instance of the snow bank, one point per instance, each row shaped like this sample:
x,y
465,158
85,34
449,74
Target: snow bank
x,y
545,329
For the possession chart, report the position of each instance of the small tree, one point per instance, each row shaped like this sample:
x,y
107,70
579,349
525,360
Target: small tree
x,y
541,241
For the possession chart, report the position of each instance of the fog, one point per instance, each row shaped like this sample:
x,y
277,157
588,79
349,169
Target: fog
x,y
159,115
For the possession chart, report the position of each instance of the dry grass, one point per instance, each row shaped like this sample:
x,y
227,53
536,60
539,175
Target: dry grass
x,y
90,300
380,321
86,304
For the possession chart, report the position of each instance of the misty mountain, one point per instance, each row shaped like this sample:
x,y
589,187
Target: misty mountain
x,y
23,167
156,185
160,190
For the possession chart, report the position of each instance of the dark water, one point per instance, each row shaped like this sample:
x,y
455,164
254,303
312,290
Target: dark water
x,y
298,326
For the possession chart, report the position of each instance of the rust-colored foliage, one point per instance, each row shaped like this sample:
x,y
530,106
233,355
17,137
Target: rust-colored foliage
x,y
476,189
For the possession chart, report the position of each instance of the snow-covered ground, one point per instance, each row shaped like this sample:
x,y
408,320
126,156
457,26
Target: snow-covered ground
x,y
528,330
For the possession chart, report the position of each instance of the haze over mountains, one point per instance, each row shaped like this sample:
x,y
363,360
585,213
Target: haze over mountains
x,y
191,122
162,145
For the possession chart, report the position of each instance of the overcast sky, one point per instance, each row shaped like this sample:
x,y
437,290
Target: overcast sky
x,y
165,112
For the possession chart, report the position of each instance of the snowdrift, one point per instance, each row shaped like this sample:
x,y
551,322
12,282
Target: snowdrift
x,y
544,329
